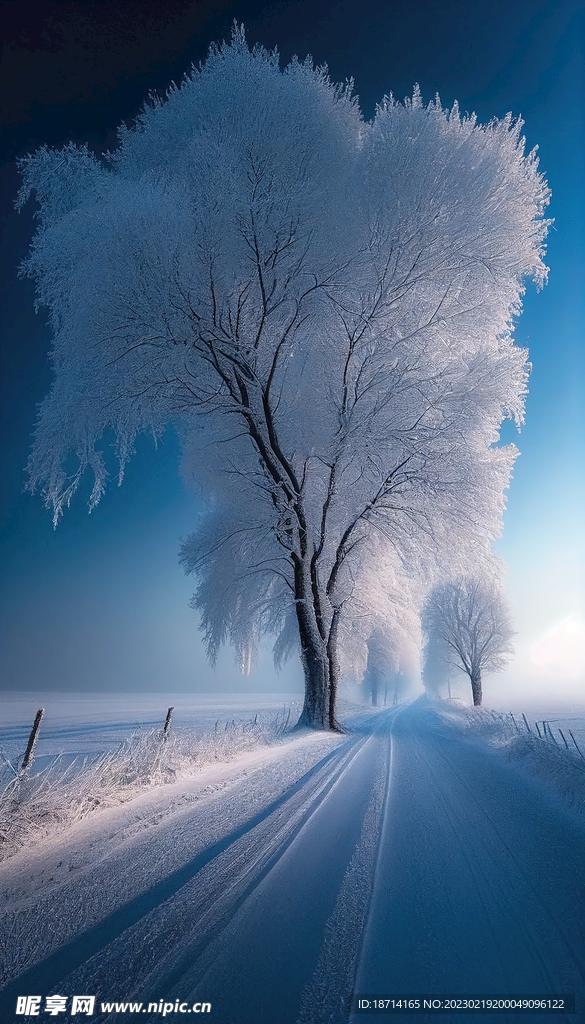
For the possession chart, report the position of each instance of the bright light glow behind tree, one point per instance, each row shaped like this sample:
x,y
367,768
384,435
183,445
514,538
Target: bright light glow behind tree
x,y
323,309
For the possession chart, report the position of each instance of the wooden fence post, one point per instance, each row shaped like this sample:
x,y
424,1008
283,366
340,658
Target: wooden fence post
x,y
550,732
575,742
32,741
168,721
564,740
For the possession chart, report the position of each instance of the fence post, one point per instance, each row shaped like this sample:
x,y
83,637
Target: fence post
x,y
526,722
538,730
168,722
564,740
32,741
575,742
550,732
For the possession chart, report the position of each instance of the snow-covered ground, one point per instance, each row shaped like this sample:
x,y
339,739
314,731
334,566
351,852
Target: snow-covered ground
x,y
560,711
82,725
93,753
434,848
561,714
86,725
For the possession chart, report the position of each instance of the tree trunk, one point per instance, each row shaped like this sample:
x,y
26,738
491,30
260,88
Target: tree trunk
x,y
319,657
315,713
334,670
476,688
318,646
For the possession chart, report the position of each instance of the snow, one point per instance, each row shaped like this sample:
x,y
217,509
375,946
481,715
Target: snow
x,y
75,878
88,724
82,767
423,851
478,886
558,764
566,715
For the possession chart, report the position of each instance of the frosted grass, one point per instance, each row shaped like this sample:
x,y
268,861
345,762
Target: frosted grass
x,y
35,805
554,752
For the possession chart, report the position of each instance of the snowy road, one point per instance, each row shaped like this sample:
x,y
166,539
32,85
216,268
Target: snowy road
x,y
480,879
405,860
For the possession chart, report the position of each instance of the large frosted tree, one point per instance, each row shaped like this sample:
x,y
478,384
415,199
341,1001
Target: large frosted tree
x,y
322,307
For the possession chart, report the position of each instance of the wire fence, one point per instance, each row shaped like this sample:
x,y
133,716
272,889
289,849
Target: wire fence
x,y
543,728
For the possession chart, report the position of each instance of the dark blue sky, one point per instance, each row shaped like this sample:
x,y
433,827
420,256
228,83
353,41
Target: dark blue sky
x,y
102,603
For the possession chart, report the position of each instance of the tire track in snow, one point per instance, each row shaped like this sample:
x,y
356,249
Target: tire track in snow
x,y
49,973
325,1000
256,967
475,870
212,886
199,914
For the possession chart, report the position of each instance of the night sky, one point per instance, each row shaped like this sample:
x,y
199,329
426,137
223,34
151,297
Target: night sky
x,y
102,603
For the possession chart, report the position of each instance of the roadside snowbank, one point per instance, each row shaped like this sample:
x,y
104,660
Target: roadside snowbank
x,y
539,752
77,875
35,805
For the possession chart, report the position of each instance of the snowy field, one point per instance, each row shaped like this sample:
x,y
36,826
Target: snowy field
x,y
558,721
86,725
565,720
560,712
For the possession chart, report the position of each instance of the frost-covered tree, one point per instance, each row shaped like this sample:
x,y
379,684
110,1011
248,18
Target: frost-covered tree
x,y
384,674
323,309
379,639
437,669
381,664
467,625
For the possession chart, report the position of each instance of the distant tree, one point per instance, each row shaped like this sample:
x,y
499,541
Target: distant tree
x,y
437,671
467,624
381,664
323,309
383,682
397,686
379,639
